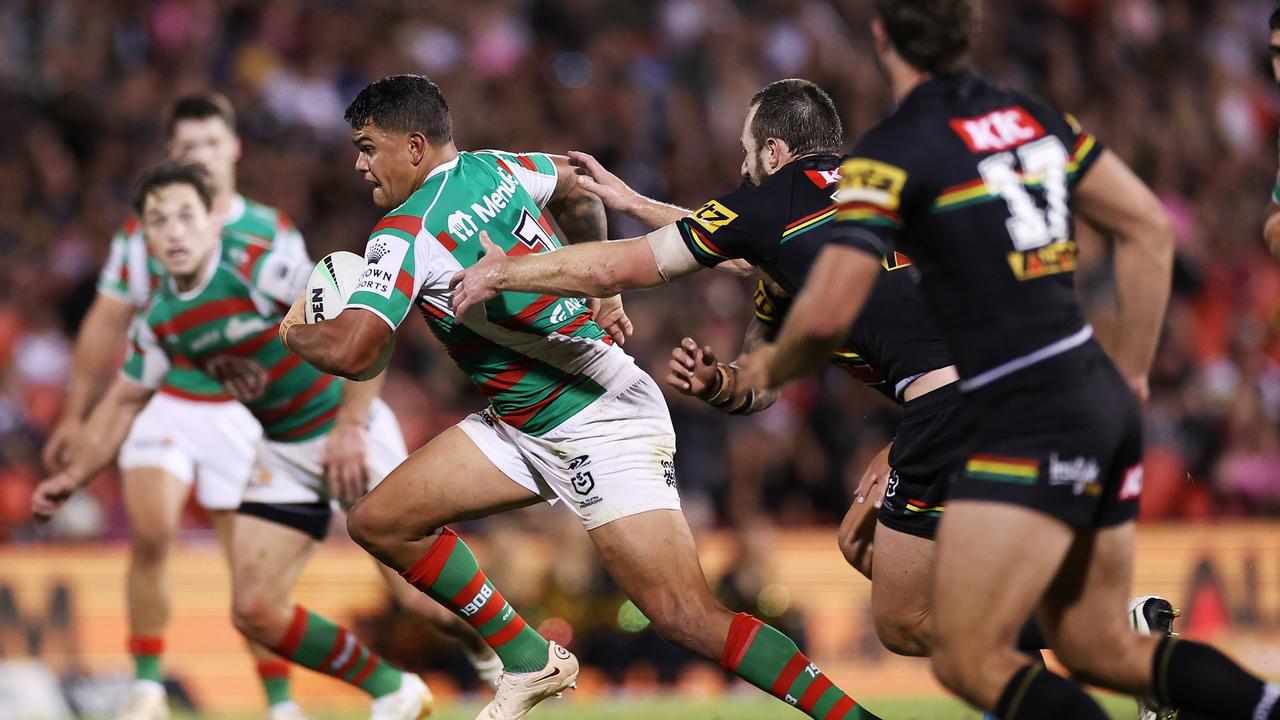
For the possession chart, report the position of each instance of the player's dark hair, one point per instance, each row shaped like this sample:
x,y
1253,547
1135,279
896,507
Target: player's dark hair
x,y
200,107
1275,19
798,113
403,104
172,173
931,35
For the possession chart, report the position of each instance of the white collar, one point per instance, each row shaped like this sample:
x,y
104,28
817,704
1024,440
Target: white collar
x,y
236,210
206,276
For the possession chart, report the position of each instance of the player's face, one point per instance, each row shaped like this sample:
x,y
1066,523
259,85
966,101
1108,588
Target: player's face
x,y
209,143
386,161
753,167
180,231
1275,54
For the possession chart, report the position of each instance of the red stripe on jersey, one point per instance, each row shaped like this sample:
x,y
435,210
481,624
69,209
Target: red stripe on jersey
x,y
807,218
789,675
288,644
545,225
252,253
130,225
811,696
283,367
468,592
370,663
447,241
404,283
305,428
283,223
531,311
357,653
527,162
206,313
490,610
180,393
339,642
410,224
182,361
507,379
707,241
519,418
840,709
508,633
502,164
575,324
424,573
245,348
283,411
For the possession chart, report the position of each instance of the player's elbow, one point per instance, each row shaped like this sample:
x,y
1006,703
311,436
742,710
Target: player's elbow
x,y
354,360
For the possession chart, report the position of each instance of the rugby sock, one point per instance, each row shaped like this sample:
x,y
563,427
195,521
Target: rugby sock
x,y
313,642
449,573
1034,693
769,660
146,653
1200,679
274,675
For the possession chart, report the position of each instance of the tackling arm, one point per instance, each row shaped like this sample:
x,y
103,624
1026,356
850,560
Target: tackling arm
x,y
1113,199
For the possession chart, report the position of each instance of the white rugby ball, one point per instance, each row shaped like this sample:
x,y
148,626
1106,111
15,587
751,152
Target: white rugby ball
x,y
332,281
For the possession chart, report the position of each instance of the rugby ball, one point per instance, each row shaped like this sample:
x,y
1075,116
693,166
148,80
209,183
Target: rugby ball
x,y
332,281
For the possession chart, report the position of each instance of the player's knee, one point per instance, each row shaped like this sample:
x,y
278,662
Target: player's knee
x,y
1094,657
149,544
255,616
678,618
365,525
857,551
904,633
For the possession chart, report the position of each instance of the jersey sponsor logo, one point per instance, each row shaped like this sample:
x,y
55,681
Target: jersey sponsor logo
x,y
997,130
669,472
238,329
383,259
714,216
1131,488
1060,257
565,309
495,201
863,180
823,178
462,225
1081,473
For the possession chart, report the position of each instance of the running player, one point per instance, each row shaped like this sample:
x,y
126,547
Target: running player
x,y
977,184
571,417
192,432
217,312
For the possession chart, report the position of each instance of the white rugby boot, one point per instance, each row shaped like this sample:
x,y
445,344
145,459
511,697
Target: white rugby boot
x,y
413,701
146,701
1153,615
288,710
519,692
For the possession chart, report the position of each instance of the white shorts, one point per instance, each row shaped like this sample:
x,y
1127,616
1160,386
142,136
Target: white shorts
x,y
293,473
615,458
209,443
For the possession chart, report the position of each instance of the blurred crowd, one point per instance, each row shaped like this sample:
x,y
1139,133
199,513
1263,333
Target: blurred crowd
x,y
657,90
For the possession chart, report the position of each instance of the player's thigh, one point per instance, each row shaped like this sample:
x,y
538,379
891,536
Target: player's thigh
x,y
902,590
223,446
153,500
994,562
1084,614
267,557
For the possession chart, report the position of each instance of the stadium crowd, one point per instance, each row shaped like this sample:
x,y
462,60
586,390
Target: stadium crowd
x,y
657,91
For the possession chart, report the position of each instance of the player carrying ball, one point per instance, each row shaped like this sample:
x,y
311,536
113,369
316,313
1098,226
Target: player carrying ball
x,y
571,417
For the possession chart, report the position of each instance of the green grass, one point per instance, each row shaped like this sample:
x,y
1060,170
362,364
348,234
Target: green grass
x,y
734,709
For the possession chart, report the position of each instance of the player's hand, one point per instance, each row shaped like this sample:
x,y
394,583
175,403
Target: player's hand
x,y
693,368
874,479
477,284
57,450
592,177
297,314
343,462
753,372
51,495
738,268
611,317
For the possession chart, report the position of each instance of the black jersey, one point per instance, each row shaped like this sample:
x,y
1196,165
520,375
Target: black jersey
x,y
780,227
974,182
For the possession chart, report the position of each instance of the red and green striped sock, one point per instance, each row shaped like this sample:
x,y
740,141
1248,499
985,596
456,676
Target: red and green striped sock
x,y
274,675
146,653
449,573
313,642
769,660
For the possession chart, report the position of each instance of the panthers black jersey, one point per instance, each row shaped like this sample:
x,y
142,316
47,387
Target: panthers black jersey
x,y
974,182
780,227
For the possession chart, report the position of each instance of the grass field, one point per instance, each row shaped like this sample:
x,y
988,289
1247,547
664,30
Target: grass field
x,y
734,709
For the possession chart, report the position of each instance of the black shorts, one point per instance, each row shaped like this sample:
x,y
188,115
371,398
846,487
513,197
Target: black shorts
x,y
1063,437
311,518
928,444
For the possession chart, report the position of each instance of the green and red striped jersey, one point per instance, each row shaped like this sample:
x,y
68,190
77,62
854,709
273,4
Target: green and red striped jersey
x,y
538,359
226,329
131,274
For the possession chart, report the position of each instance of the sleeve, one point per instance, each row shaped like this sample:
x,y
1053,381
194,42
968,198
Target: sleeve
x,y
288,240
146,362
869,199
536,172
1084,150
114,278
772,305
281,277
401,259
730,227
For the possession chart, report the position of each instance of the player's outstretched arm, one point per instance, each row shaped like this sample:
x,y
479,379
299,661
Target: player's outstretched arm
x,y
355,345
96,445
101,333
619,197
1113,200
819,319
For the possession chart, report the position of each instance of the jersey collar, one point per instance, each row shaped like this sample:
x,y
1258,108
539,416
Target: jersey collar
x,y
442,168
206,276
